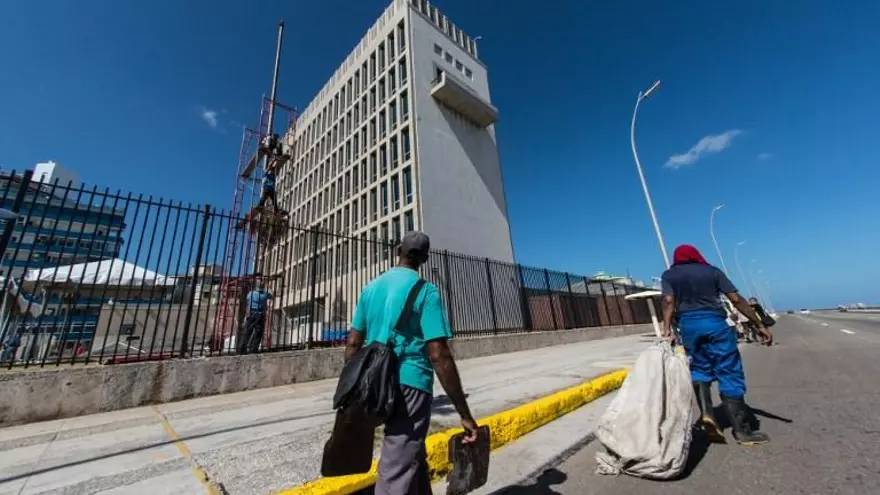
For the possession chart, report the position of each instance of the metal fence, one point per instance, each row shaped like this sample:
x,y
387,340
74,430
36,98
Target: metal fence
x,y
99,276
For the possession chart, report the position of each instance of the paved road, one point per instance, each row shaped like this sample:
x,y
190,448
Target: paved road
x,y
261,441
817,393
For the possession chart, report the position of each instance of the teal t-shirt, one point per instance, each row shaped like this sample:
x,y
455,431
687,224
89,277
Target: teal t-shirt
x,y
378,310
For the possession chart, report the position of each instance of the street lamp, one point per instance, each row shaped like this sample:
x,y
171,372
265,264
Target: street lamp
x,y
739,266
712,233
632,139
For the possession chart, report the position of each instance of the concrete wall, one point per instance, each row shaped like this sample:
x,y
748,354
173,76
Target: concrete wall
x,y
458,172
29,396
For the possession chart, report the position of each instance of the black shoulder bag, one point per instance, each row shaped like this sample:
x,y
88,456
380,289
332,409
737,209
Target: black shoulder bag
x,y
365,398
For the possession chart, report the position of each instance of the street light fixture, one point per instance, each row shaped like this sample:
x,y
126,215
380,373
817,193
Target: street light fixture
x,y
632,139
714,241
740,268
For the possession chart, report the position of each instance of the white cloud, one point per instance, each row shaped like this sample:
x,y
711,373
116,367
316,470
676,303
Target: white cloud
x,y
707,145
765,156
210,117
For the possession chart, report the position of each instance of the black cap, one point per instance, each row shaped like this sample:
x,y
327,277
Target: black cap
x,y
415,245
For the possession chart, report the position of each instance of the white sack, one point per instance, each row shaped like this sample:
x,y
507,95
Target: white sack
x,y
648,426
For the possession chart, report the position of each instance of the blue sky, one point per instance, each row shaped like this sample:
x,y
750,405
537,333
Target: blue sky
x,y
148,96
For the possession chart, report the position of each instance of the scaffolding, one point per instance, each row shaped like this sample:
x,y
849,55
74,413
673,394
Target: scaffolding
x,y
253,227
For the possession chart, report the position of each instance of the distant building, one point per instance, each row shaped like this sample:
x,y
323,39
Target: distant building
x,y
57,225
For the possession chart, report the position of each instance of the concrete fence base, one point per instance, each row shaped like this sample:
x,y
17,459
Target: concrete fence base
x,y
28,396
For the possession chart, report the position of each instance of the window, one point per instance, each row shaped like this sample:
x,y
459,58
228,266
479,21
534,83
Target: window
x,y
372,132
384,192
401,36
374,204
386,249
382,124
395,193
394,154
357,147
438,49
373,67
392,113
381,56
404,105
404,140
407,185
449,58
401,69
372,100
438,74
391,45
383,159
374,174
355,218
395,228
364,210
409,222
382,90
468,73
392,82
459,66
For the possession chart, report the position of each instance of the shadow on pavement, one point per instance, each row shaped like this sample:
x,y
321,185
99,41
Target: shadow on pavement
x,y
697,451
443,404
541,485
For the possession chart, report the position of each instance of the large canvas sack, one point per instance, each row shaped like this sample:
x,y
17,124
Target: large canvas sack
x,y
647,429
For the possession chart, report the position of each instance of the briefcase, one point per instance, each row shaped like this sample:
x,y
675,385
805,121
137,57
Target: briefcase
x,y
350,447
470,463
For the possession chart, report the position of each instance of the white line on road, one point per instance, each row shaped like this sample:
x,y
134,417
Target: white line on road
x,y
848,332
824,324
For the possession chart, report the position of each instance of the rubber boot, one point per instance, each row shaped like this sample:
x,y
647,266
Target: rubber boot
x,y
742,429
703,392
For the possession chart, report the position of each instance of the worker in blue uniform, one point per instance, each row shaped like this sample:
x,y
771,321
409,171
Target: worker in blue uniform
x,y
692,290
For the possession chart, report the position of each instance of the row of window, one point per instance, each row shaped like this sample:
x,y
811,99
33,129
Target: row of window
x,y
459,66
388,196
366,77
337,187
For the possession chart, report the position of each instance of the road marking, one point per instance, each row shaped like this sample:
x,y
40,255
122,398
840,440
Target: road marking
x,y
824,324
197,470
848,332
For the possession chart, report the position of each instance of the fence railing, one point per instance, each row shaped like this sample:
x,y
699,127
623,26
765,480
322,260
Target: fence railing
x,y
95,276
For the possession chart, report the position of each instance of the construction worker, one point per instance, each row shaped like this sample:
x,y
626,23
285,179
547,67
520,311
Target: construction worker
x,y
268,191
692,289
258,304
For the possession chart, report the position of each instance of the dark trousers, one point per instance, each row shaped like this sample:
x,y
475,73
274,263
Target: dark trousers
x,y
403,464
269,195
252,335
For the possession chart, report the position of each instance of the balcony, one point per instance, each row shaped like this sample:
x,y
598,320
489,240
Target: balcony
x,y
455,94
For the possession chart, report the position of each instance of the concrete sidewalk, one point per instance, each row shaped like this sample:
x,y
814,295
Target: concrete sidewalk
x,y
261,441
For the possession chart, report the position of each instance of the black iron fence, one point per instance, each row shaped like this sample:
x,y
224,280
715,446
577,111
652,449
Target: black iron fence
x,y
92,275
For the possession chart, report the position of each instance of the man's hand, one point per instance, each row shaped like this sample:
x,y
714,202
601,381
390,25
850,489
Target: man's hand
x,y
667,332
470,430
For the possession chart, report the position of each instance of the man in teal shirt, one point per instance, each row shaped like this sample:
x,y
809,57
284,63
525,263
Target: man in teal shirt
x,y
421,347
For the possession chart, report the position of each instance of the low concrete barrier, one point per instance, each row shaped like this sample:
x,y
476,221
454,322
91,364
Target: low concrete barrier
x,y
28,396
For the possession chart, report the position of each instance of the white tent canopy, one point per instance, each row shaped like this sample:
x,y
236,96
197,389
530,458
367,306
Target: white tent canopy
x,y
114,272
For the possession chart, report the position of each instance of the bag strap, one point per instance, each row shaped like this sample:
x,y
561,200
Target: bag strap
x,y
408,306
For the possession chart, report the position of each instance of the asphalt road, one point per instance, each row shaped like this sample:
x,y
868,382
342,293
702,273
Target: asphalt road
x,y
816,396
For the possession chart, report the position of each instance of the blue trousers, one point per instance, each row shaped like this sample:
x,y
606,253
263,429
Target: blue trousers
x,y
711,347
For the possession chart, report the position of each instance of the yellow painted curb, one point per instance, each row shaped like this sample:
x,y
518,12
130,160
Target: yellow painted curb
x,y
505,426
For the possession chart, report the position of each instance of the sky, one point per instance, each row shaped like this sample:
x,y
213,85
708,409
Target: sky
x,y
767,106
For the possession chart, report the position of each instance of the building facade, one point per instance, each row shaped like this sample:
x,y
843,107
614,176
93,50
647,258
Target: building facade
x,y
400,138
57,225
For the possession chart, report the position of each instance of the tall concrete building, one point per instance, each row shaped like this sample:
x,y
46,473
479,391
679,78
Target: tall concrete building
x,y
402,137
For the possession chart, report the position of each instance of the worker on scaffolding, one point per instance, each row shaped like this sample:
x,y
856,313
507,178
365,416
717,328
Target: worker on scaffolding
x,y
272,145
258,304
268,191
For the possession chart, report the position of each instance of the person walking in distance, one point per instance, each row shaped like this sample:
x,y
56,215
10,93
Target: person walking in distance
x,y
422,349
258,303
692,289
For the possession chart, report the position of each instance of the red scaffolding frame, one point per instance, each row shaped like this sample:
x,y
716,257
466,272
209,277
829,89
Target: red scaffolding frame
x,y
240,255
